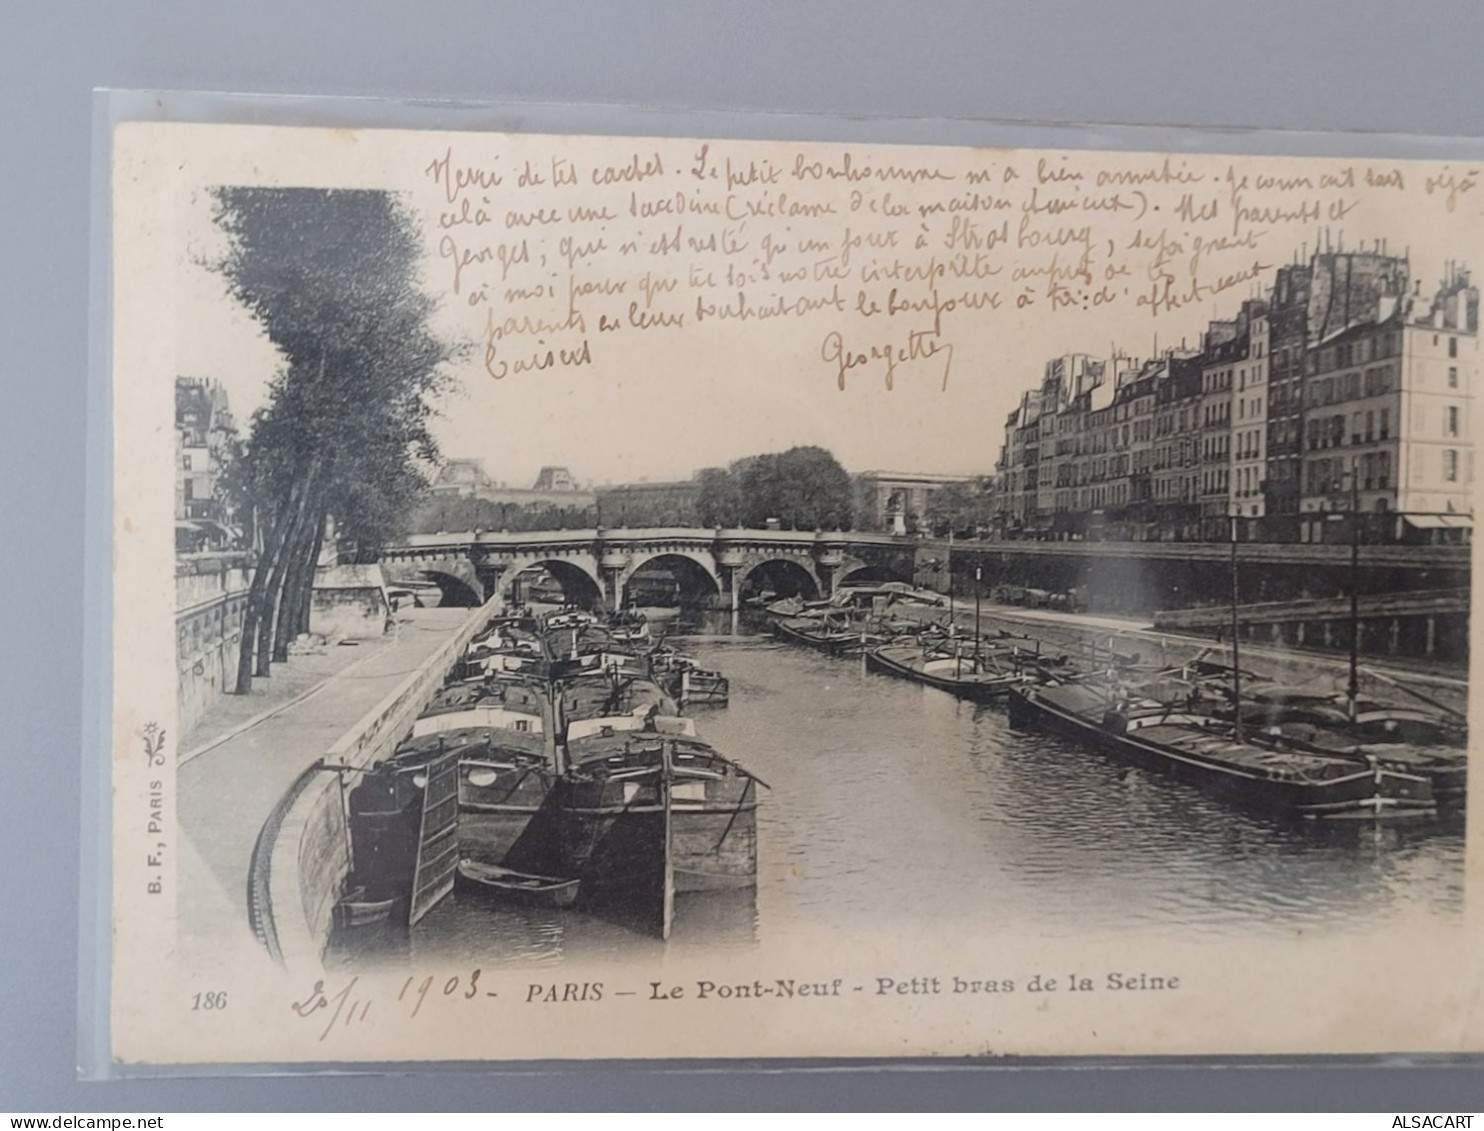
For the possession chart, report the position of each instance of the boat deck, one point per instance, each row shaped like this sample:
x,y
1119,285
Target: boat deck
x,y
512,695
1190,732
595,696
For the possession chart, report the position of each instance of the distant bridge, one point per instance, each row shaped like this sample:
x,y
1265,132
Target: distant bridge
x,y
596,567
715,568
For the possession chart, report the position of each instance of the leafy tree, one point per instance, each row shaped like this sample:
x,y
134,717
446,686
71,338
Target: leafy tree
x,y
333,277
815,491
804,488
719,497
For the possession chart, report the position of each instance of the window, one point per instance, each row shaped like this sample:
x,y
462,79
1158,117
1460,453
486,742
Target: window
x,y
1370,426
1452,347
185,463
189,488
1452,376
1453,420
1385,423
1450,465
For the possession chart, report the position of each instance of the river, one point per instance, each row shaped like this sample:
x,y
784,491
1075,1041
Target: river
x,y
889,801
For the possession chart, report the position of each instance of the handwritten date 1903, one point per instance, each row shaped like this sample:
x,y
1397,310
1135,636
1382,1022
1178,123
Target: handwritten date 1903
x,y
350,1005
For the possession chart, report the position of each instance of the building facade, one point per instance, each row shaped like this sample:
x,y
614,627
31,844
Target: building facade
x,y
467,479
204,433
1249,420
1340,387
1288,335
650,504
1387,427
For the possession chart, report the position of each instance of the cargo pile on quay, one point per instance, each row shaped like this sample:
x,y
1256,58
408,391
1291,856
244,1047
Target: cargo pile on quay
x,y
556,769
1289,750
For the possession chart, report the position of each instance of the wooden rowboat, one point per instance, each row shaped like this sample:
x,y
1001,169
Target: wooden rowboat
x,y
517,887
355,910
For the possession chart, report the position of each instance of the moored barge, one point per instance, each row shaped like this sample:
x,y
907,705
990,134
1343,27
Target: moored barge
x,y
1204,751
981,677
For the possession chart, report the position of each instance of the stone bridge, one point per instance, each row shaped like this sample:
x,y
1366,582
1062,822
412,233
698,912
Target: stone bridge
x,y
713,568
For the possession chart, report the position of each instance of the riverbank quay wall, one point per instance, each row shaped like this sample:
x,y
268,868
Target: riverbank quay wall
x,y
302,857
1431,625
210,604
1143,577
1303,588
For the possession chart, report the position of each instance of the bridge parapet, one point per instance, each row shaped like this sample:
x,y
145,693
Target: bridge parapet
x,y
609,556
527,541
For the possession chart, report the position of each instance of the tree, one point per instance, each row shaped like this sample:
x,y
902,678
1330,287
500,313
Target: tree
x,y
333,277
815,492
718,497
804,488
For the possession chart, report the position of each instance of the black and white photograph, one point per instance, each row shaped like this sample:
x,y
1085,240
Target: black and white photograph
x,y
623,597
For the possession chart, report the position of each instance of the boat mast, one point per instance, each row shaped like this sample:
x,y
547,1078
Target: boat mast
x,y
950,578
1236,658
667,879
1352,691
978,577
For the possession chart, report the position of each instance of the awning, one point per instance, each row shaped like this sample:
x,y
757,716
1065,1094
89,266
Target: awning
x,y
219,527
1439,521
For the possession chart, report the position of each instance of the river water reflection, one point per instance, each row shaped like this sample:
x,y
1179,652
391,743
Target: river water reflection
x,y
890,802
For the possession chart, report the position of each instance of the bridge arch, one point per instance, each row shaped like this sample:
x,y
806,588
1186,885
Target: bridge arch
x,y
456,578
579,581
867,574
455,592
693,570
786,574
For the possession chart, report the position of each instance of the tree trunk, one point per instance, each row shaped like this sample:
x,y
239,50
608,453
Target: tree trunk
x,y
299,564
257,593
293,571
273,594
307,604
306,594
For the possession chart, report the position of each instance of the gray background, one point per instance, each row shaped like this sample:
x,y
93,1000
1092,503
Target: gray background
x,y
1274,63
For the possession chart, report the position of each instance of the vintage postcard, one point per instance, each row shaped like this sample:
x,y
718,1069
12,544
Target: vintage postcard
x,y
614,597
